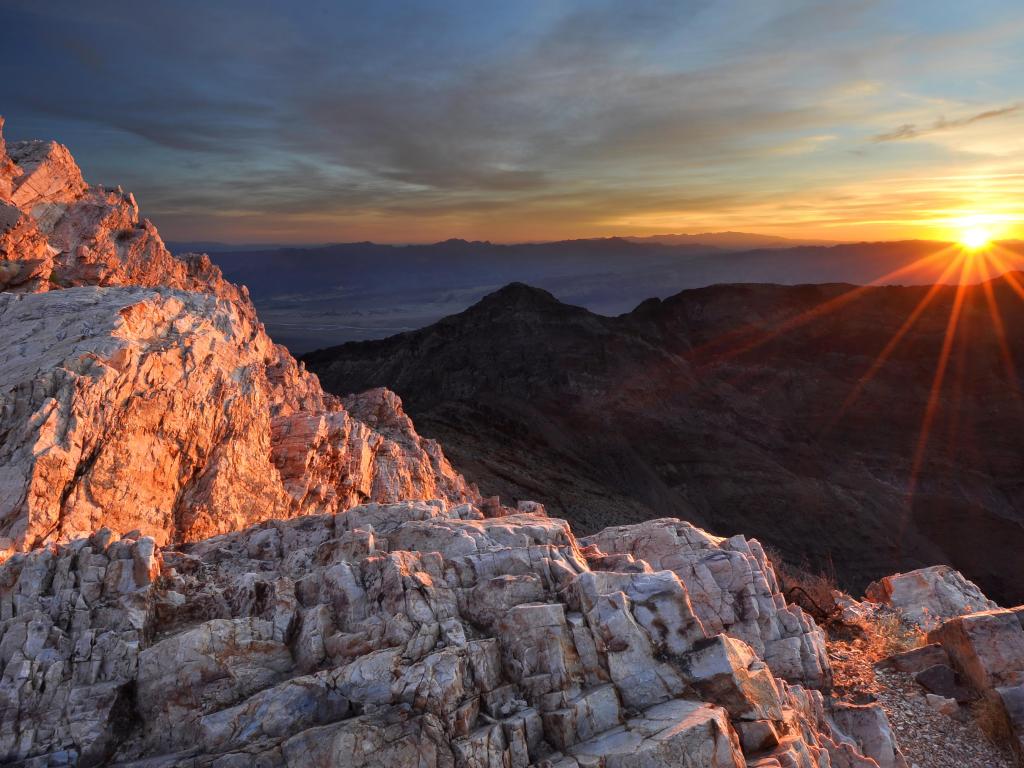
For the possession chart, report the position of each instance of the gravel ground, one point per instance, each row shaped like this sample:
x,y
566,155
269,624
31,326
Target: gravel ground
x,y
932,740
928,739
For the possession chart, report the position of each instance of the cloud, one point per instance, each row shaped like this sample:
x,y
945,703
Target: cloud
x,y
421,119
912,131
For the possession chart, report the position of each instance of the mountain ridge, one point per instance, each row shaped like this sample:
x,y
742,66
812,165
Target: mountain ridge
x,y
605,401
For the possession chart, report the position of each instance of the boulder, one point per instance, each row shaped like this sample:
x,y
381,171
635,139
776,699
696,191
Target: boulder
x,y
942,681
917,659
867,727
987,647
929,596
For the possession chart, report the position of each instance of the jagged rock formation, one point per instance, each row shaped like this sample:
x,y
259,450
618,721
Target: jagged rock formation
x,y
733,588
406,634
140,391
159,608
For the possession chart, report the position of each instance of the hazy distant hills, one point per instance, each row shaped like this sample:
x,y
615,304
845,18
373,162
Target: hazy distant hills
x,y
314,297
740,241
676,409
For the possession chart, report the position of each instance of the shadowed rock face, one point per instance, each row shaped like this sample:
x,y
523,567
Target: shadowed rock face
x,y
695,406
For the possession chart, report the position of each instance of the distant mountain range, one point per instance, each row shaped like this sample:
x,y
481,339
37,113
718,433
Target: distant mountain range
x,y
739,241
724,405
314,297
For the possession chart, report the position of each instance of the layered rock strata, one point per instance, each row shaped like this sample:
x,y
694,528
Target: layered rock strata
x,y
412,634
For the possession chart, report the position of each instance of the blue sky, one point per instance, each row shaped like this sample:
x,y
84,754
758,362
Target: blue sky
x,y
417,121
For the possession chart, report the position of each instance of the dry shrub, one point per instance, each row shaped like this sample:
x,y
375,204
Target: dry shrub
x,y
991,718
887,634
811,590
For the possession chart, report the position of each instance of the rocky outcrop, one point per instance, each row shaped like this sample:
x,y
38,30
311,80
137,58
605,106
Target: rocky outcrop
x,y
391,635
734,590
140,392
988,650
929,596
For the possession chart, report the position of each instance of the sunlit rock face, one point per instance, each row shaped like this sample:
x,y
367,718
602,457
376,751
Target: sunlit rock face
x,y
414,634
140,392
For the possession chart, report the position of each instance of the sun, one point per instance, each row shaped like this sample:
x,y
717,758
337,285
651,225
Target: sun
x,y
975,238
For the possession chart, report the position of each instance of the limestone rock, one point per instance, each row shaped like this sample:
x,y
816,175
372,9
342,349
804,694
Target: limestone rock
x,y
137,408
928,596
867,726
733,589
359,638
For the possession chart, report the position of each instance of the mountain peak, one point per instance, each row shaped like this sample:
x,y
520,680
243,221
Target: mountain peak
x,y
520,293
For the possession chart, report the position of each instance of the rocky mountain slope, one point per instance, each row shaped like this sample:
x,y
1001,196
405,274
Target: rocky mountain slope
x,y
721,406
208,562
140,391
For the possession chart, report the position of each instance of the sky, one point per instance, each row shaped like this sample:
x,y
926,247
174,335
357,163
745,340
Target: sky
x,y
403,121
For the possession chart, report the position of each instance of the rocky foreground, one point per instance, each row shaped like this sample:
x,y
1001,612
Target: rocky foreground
x,y
210,562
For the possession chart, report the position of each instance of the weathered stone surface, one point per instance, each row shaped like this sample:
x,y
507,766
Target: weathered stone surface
x,y
149,397
160,410
299,643
726,670
987,647
676,734
928,596
733,589
868,728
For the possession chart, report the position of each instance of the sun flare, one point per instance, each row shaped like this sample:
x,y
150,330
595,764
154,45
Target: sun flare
x,y
975,238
